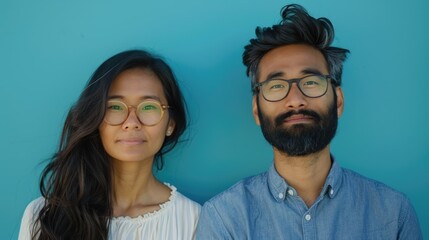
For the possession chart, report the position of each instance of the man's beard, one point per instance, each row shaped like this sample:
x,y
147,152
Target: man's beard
x,y
300,139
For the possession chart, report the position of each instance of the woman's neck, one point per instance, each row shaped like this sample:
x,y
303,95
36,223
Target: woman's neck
x,y
136,191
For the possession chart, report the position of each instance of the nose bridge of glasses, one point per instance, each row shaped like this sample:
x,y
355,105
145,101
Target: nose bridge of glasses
x,y
131,110
290,83
292,88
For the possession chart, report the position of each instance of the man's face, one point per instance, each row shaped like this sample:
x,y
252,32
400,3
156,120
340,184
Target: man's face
x,y
297,125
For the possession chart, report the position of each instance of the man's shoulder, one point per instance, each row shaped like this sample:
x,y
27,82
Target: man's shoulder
x,y
362,184
383,203
242,190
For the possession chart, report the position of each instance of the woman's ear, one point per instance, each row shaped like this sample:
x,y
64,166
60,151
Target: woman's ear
x,y
170,128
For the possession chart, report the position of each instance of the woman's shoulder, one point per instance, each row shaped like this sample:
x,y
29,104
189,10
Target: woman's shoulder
x,y
34,207
186,202
183,204
29,217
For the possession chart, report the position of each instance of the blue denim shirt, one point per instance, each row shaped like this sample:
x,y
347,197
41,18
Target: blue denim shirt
x,y
350,206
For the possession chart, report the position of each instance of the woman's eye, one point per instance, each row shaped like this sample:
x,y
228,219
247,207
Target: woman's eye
x,y
115,107
149,107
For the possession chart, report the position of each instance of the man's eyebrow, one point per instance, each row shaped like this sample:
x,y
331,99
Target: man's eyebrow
x,y
280,74
274,75
311,71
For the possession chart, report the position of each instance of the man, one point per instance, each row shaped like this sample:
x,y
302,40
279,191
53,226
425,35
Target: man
x,y
296,78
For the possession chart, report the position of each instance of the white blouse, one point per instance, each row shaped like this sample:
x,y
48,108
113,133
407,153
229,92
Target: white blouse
x,y
177,219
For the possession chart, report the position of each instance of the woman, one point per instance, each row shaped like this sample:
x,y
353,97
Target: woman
x,y
100,184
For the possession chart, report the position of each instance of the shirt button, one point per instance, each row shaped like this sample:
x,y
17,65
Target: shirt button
x,y
308,217
290,192
332,191
281,195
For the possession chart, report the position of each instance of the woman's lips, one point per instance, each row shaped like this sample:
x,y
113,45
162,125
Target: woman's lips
x,y
131,141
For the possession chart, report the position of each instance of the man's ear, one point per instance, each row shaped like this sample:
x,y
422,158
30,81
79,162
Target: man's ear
x,y
255,110
340,100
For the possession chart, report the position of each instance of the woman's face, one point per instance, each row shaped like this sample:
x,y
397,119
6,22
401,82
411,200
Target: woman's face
x,y
132,140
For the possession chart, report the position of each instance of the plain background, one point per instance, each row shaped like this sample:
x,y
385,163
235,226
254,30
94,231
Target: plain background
x,y
49,49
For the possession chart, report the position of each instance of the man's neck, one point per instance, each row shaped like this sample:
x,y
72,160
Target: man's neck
x,y
306,174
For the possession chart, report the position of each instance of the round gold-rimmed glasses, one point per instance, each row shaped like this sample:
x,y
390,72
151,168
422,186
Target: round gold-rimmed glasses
x,y
149,112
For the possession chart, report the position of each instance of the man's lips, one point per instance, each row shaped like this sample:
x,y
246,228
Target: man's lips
x,y
298,118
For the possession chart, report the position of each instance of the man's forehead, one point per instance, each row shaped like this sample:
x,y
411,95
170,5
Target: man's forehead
x,y
292,61
304,71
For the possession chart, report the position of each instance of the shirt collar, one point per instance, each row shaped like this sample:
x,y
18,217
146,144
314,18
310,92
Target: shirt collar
x,y
334,180
280,189
277,184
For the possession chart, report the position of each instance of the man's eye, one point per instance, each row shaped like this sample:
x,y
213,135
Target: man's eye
x,y
276,86
311,83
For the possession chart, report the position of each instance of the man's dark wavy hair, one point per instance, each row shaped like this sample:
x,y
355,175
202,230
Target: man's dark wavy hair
x,y
296,27
77,182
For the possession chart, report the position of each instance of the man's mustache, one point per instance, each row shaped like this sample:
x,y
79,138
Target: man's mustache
x,y
282,117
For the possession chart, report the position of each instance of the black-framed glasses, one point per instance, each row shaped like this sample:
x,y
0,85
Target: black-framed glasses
x,y
149,112
276,89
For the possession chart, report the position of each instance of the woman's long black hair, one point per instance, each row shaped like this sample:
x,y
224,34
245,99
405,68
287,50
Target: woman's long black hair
x,y
77,182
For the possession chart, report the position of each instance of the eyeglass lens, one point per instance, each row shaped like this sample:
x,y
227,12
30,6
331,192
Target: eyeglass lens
x,y
148,112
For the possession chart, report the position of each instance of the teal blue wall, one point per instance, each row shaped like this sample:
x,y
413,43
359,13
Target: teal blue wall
x,y
48,50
